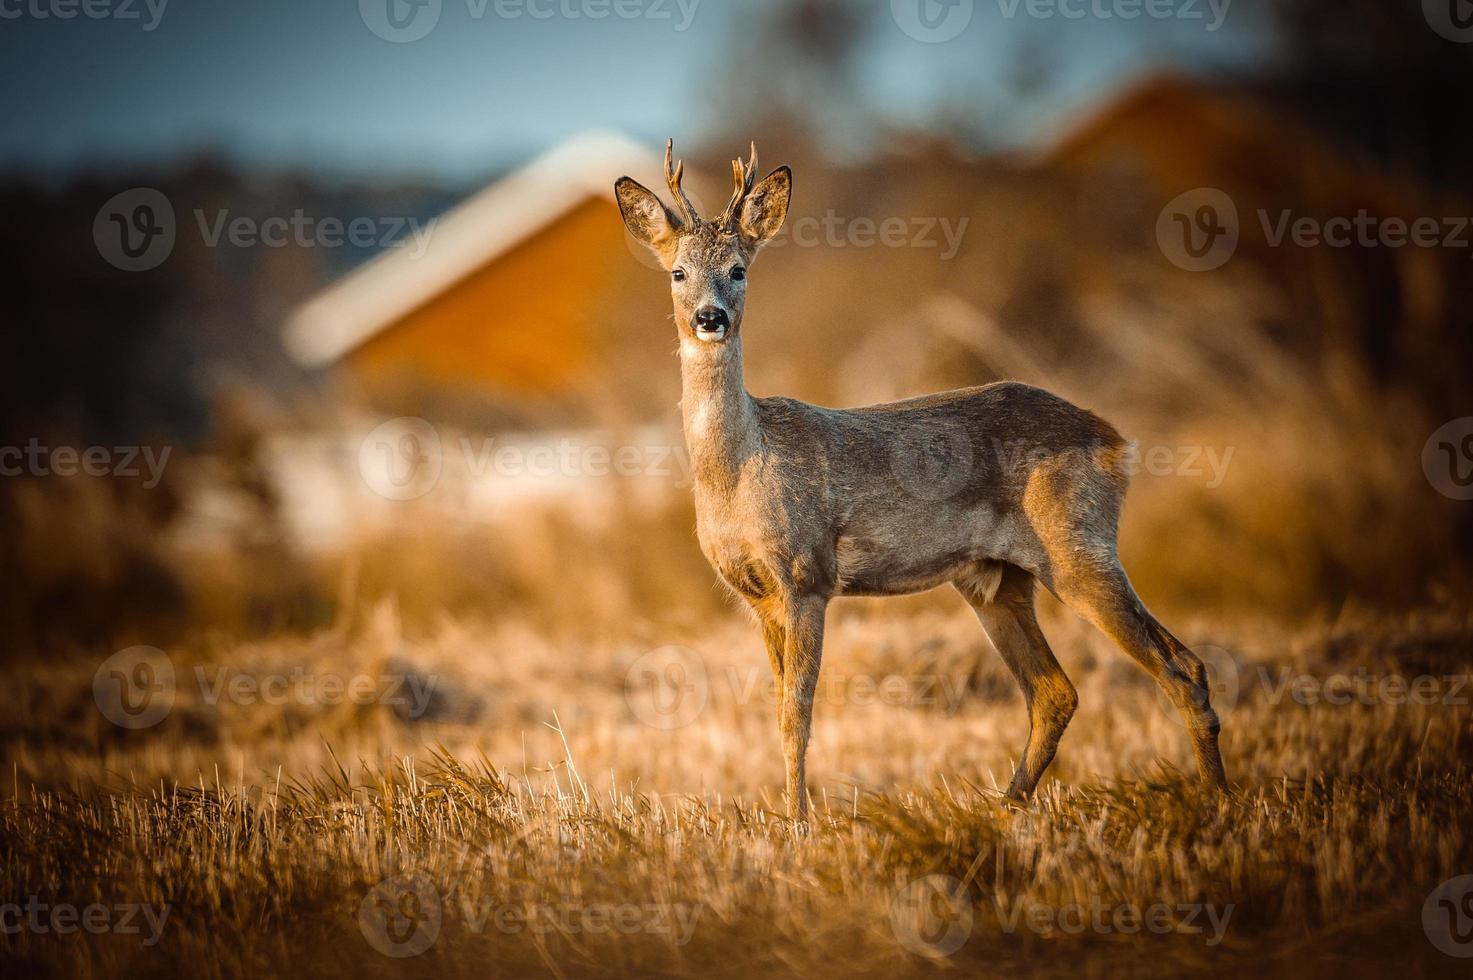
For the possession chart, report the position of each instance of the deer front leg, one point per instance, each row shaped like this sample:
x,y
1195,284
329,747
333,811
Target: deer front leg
x,y
775,639
803,652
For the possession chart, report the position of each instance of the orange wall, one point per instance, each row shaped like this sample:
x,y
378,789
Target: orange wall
x,y
522,323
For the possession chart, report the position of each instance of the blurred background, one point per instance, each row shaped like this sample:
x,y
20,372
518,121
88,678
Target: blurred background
x,y
315,309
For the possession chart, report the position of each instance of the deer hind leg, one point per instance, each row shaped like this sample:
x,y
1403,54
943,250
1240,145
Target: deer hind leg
x,y
1102,594
802,655
1008,618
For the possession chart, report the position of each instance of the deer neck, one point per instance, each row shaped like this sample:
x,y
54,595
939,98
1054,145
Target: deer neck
x,y
719,418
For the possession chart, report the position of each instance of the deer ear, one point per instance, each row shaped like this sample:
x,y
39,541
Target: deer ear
x,y
764,209
648,220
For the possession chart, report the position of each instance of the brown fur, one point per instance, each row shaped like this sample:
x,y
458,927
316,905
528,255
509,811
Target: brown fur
x,y
989,488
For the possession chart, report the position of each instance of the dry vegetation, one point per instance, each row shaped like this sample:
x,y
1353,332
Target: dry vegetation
x,y
561,834
557,832
518,808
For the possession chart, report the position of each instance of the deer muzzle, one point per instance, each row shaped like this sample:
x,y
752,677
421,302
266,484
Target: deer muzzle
x,y
711,324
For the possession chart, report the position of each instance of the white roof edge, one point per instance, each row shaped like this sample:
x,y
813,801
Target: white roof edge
x,y
486,225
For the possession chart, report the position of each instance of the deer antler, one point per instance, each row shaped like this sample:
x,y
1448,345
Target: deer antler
x,y
672,177
743,176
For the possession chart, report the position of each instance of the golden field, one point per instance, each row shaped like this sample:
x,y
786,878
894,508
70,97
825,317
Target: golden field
x,y
522,807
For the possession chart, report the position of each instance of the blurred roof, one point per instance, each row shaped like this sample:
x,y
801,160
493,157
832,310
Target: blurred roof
x,y
374,296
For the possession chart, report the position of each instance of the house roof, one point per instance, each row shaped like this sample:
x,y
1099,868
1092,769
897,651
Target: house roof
x,y
487,225
1155,86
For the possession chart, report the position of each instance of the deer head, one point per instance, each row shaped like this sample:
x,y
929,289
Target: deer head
x,y
707,260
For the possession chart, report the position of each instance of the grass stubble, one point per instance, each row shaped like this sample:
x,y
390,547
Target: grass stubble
x,y
528,821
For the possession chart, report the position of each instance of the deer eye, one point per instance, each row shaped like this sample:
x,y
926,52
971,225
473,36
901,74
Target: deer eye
x,y
739,273
678,275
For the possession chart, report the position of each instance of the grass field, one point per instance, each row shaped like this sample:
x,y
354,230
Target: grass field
x,y
496,804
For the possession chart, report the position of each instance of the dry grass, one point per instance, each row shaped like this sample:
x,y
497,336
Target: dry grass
x,y
562,835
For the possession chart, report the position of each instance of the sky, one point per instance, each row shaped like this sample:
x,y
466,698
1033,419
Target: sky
x,y
456,88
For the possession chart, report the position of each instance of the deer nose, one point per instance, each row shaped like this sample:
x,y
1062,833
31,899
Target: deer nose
x,y
711,320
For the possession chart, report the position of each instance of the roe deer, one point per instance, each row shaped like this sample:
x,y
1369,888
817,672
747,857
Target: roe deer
x,y
797,504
